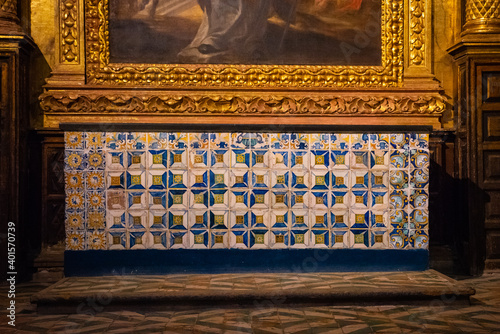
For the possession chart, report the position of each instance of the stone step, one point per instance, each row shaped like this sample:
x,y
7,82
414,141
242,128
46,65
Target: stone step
x,y
111,293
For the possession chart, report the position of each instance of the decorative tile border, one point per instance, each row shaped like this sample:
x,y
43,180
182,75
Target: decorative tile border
x,y
156,190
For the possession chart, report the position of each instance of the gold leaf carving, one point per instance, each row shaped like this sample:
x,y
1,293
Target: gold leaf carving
x,y
100,71
69,31
367,105
417,32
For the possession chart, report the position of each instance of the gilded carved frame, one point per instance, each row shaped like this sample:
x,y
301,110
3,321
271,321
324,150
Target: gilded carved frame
x,y
101,71
86,87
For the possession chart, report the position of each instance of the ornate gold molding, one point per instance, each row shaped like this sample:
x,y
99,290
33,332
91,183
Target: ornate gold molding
x,y
417,32
224,105
100,71
69,24
482,16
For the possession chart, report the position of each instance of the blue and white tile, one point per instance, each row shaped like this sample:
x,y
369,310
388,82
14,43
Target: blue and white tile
x,y
419,198
419,158
219,199
258,238
398,219
199,158
137,220
260,179
400,141
75,160
116,160
240,239
240,158
420,219
379,239
398,179
340,238
260,159
320,141
300,159
320,239
379,141
178,159
260,141
199,239
220,158
75,200
318,218
219,239
419,178
259,199
360,199
136,180
137,141
300,238
178,199
198,178
340,159
178,220
320,159
157,180
359,238
157,200
95,200
379,200
320,179
379,160
360,160
259,219
157,220
359,219
239,178
219,178
96,240
341,180
117,240
220,140
318,200
420,239
199,141
419,141
158,140
360,141
379,180
116,140
239,199
219,219
198,199
299,141
178,239
177,179
300,179
280,179
339,219
279,239
399,239
399,159
380,219
280,219
75,220
138,240
178,140
199,219
241,140
76,180
159,240
279,159
340,199
340,142
360,179
299,219
280,141
239,219
299,199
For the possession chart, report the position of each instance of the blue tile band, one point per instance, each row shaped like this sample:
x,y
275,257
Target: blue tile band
x,y
156,262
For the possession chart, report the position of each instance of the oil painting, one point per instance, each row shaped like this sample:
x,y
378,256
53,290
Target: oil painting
x,y
246,32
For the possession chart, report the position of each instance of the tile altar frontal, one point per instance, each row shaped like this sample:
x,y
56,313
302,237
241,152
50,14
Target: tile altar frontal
x,y
158,190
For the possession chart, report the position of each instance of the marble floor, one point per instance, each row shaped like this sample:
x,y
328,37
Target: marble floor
x,y
437,316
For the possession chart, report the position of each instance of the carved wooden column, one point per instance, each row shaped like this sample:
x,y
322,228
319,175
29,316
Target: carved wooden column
x,y
477,56
15,48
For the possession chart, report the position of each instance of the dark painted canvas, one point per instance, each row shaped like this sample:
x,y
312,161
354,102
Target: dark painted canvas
x,y
278,32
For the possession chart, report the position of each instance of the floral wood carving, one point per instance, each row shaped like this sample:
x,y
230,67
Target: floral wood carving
x,y
417,32
430,105
69,31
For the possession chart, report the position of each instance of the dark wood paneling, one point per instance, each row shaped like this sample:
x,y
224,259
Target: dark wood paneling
x,y
491,86
491,125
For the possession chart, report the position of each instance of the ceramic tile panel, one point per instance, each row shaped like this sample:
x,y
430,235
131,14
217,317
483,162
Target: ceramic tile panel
x,y
156,190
